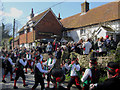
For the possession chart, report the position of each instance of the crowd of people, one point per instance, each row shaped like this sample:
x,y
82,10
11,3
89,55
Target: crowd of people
x,y
83,47
19,59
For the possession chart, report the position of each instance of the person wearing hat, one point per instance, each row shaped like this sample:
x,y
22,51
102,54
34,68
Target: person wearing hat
x,y
8,67
29,61
20,64
107,42
74,67
50,64
91,74
113,81
38,71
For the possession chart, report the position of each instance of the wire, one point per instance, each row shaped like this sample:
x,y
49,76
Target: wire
x,y
44,9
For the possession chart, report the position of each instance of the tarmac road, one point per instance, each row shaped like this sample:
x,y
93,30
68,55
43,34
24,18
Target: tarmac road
x,y
29,80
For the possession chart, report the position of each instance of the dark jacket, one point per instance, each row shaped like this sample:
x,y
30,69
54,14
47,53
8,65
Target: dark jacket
x,y
109,84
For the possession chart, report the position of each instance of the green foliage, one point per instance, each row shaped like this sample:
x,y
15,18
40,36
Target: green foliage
x,y
117,55
102,79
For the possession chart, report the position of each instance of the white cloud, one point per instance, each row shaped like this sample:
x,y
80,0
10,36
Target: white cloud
x,y
14,12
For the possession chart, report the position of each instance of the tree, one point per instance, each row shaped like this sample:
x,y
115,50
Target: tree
x,y
6,31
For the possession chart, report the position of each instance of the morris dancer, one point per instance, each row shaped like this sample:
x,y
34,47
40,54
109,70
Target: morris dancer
x,y
113,81
91,74
49,63
29,61
8,67
19,70
38,71
74,68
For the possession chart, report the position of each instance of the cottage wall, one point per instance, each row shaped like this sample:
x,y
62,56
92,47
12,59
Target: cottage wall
x,y
87,32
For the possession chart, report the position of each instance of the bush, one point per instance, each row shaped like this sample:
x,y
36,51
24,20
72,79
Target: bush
x,y
117,56
102,79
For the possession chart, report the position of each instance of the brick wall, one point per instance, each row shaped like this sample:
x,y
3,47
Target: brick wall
x,y
30,37
48,24
22,38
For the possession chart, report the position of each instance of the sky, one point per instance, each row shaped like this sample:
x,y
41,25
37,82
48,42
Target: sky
x,y
21,9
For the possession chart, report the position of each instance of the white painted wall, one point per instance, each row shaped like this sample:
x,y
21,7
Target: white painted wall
x,y
76,35
102,33
26,45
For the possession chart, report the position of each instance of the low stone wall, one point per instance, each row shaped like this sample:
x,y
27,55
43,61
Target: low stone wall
x,y
102,61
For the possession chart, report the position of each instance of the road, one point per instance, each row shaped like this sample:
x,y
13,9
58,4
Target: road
x,y
29,81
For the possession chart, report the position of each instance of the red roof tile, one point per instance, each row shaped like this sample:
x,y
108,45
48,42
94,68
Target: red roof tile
x,y
107,12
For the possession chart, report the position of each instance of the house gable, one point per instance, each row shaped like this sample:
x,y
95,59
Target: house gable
x,y
48,25
49,10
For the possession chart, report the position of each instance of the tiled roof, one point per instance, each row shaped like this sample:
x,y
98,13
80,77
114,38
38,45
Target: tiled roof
x,y
34,19
107,12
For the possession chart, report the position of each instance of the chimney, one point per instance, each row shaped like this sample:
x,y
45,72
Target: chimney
x,y
59,17
84,7
32,14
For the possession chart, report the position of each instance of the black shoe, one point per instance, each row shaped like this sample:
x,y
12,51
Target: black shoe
x,y
15,87
3,81
25,85
32,72
25,72
12,79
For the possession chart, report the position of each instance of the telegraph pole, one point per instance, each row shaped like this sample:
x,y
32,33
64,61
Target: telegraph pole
x,y
2,31
13,31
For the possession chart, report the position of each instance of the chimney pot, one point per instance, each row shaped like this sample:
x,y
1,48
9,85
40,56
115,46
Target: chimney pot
x,y
84,7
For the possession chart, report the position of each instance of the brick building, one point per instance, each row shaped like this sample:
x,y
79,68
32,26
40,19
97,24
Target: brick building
x,y
42,26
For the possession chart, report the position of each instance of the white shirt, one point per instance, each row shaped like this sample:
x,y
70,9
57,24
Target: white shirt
x,y
2,57
100,46
87,46
40,68
73,69
10,60
41,57
28,58
48,62
86,74
22,62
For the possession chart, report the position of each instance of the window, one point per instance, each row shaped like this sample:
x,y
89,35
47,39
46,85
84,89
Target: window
x,y
31,29
81,31
84,31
